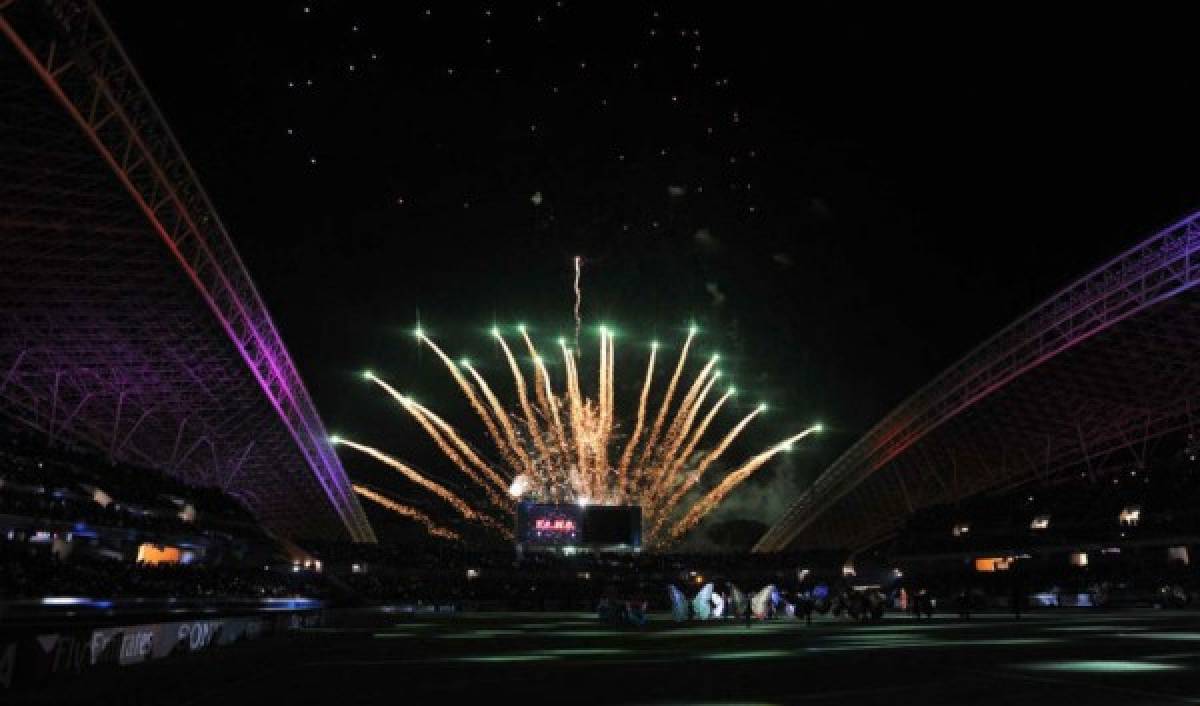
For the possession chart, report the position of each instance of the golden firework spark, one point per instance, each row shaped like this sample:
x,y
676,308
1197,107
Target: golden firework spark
x,y
406,511
556,447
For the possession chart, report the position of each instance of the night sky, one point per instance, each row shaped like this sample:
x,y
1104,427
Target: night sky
x,y
846,199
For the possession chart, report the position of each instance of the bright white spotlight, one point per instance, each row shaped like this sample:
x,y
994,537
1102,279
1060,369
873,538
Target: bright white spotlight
x,y
519,485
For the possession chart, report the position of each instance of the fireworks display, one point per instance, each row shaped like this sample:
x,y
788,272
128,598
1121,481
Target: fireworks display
x,y
558,444
406,511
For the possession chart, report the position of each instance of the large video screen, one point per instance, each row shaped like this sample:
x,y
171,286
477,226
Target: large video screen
x,y
549,525
613,525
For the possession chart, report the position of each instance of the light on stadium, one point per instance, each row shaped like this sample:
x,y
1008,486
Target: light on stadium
x,y
368,375
818,427
418,332
519,485
335,439
762,407
65,600
495,332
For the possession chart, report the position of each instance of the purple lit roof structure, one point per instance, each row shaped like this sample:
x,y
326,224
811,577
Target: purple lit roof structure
x,y
127,320
1083,381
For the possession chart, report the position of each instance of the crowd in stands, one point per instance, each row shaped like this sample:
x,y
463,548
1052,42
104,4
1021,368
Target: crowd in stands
x,y
29,575
49,486
1115,533
58,481
1081,506
73,523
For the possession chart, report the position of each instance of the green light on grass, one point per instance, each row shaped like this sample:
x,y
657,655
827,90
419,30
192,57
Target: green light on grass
x,y
520,657
585,652
585,633
748,655
479,634
1101,666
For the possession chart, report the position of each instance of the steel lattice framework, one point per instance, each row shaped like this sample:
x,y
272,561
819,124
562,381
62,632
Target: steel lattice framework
x,y
127,319
1104,366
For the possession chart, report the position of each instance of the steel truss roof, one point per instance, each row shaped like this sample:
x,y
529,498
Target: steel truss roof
x,y
1103,366
127,319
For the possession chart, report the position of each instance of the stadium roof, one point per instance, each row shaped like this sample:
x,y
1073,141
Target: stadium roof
x,y
127,320
1089,377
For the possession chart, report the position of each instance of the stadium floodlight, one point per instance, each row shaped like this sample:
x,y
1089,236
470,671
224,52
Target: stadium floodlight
x,y
368,375
335,439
